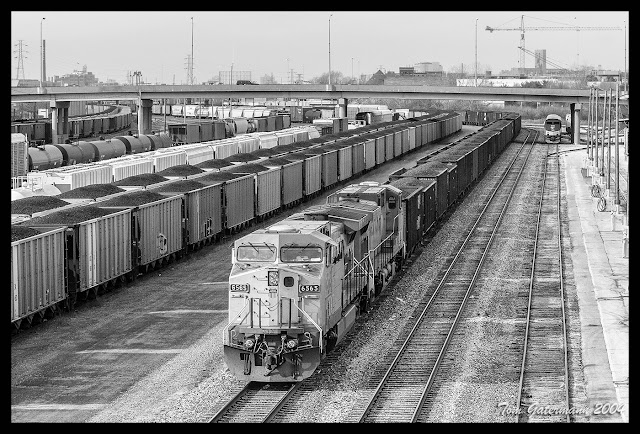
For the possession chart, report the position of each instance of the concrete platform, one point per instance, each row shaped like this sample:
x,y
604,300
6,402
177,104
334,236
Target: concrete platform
x,y
601,273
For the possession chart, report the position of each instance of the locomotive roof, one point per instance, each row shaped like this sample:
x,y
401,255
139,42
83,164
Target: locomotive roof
x,y
353,219
553,117
364,188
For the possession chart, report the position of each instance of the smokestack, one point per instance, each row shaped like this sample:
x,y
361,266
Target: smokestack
x,y
44,62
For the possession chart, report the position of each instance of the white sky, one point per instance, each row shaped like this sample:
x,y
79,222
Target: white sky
x,y
157,43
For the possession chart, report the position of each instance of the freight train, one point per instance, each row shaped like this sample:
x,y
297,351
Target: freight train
x,y
297,286
143,154
111,120
43,157
90,238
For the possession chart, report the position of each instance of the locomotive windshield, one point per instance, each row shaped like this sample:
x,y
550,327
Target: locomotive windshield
x,y
294,253
256,252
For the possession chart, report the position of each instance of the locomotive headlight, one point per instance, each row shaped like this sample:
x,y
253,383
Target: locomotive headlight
x,y
272,278
248,343
292,343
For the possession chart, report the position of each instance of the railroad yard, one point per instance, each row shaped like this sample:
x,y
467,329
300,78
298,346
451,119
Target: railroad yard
x,y
162,361
204,231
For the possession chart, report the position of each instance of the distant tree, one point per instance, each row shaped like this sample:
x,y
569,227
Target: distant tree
x,y
532,84
268,79
336,78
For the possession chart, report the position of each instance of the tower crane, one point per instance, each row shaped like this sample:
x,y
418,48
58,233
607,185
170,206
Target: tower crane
x,y
549,61
522,30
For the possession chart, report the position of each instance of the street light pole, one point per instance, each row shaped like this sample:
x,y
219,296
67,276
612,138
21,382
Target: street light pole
x,y
626,78
330,49
476,64
617,163
42,55
191,72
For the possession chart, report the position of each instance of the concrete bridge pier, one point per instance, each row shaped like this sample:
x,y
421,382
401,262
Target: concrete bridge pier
x,y
144,116
342,107
575,122
59,121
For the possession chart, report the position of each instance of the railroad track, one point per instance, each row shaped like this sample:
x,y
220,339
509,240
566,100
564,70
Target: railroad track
x,y
402,391
256,403
543,394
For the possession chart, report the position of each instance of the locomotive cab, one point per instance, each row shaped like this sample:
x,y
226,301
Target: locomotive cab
x,y
552,128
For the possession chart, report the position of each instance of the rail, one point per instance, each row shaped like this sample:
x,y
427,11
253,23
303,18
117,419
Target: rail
x,y
420,391
545,349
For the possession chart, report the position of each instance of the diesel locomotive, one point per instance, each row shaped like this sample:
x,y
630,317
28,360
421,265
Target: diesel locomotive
x,y
296,287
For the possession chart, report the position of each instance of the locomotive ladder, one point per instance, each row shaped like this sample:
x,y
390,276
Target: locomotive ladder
x,y
543,393
401,393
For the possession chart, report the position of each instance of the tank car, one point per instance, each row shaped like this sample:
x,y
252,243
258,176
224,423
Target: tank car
x,y
296,287
552,128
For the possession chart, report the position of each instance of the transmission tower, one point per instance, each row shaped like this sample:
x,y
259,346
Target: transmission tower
x,y
20,58
189,69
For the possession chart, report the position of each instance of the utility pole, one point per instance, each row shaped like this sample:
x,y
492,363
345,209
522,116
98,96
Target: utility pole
x,y
608,112
476,64
42,55
330,49
617,163
191,70
626,77
595,123
589,145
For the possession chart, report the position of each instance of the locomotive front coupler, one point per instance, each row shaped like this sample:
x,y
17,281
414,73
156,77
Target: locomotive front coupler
x,y
273,360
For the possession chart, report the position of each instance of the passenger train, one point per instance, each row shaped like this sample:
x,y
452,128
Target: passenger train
x,y
552,128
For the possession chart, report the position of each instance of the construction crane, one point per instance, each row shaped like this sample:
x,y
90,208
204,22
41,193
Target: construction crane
x,y
522,29
547,60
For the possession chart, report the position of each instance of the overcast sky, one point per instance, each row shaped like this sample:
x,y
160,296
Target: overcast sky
x,y
157,43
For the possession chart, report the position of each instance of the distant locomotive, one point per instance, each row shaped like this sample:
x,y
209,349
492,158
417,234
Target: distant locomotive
x,y
552,128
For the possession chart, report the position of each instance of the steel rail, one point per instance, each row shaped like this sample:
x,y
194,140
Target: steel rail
x,y
216,417
562,297
530,297
248,387
440,285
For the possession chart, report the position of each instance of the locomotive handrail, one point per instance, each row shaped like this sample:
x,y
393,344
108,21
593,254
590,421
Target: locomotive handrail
x,y
314,324
226,329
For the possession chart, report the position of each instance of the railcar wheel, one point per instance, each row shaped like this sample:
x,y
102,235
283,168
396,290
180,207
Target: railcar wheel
x,y
595,190
602,204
